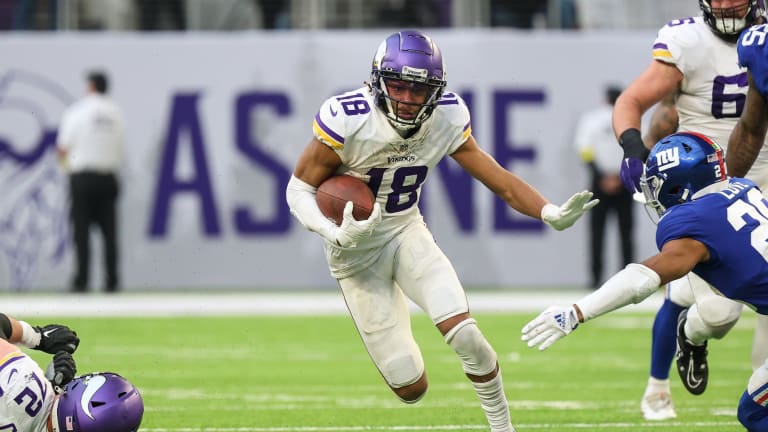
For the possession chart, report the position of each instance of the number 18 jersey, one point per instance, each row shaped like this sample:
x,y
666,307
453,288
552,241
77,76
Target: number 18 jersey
x,y
394,167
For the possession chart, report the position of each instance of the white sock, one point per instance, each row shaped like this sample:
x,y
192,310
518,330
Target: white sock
x,y
656,385
494,403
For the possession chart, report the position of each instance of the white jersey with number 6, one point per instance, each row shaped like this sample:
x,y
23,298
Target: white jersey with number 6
x,y
713,91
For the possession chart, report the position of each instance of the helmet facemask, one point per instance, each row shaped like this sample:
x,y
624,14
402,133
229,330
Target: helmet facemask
x,y
728,23
407,114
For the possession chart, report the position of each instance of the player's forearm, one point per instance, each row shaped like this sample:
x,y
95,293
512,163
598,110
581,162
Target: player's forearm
x,y
303,206
522,197
626,115
18,332
633,284
663,122
743,146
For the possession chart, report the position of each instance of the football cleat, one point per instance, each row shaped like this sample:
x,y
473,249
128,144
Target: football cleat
x,y
658,406
691,360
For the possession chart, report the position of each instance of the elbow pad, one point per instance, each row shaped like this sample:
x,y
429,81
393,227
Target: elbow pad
x,y
632,285
302,202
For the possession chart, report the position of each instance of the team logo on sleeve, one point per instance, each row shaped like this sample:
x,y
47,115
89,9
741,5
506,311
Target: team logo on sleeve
x,y
667,159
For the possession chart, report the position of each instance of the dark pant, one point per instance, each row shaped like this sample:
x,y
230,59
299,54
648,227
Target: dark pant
x,y
94,196
622,205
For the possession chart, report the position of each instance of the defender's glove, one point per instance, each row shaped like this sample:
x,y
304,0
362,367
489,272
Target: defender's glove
x,y
61,370
351,230
553,324
55,338
635,154
567,214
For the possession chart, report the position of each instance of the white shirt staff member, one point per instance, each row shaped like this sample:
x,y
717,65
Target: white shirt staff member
x,y
90,147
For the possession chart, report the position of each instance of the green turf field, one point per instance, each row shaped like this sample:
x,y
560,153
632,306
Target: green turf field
x,y
241,374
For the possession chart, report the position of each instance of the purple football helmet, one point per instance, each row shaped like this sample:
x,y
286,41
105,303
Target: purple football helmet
x,y
98,402
411,57
727,23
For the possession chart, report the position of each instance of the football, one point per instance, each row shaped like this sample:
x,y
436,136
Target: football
x,y
333,194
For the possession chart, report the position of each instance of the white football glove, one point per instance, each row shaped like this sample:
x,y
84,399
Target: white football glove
x,y
567,214
553,324
351,230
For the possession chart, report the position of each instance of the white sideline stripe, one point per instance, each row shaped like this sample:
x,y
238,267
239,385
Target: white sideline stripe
x,y
564,426
261,303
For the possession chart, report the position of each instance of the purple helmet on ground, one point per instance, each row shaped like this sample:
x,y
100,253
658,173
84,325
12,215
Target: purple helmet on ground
x,y
98,402
727,23
412,57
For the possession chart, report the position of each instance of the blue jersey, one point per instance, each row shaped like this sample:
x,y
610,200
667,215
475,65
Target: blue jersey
x,y
753,49
733,225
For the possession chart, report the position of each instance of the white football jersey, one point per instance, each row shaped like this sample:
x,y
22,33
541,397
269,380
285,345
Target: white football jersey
x,y
395,168
26,396
714,87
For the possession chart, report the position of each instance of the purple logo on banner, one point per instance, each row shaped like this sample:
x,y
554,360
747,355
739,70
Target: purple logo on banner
x,y
34,197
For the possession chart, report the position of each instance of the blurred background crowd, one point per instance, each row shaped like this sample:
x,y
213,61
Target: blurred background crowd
x,y
233,15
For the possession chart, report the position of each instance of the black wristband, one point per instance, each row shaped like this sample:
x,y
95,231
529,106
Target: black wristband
x,y
632,143
5,327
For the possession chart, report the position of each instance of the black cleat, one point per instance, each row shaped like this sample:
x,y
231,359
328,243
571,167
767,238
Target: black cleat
x,y
691,360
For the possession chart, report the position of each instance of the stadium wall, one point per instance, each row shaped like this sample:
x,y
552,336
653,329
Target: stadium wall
x,y
216,122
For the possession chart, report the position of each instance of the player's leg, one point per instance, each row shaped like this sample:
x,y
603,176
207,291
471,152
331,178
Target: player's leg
x,y
760,342
428,278
753,406
380,313
657,398
711,316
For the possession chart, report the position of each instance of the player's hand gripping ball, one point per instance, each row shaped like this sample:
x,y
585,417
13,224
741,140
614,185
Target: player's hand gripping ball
x,y
333,194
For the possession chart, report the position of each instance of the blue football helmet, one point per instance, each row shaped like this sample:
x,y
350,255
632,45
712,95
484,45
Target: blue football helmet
x,y
98,402
411,57
679,166
727,23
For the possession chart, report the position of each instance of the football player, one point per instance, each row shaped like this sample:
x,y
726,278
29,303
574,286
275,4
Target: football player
x,y
391,133
700,87
747,147
34,401
709,225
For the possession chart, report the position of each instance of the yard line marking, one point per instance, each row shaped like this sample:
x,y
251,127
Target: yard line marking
x,y
564,426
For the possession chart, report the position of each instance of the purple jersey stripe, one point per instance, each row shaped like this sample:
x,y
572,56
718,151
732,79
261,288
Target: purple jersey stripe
x,y
328,130
660,46
10,359
466,127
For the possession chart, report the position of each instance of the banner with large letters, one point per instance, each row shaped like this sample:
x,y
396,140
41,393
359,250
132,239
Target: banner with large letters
x,y
217,121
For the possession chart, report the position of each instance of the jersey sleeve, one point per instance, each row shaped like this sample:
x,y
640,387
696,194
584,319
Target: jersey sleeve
x,y
752,50
678,43
329,126
457,114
